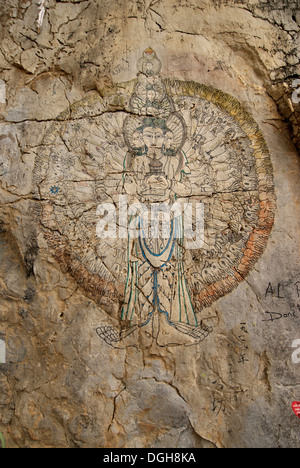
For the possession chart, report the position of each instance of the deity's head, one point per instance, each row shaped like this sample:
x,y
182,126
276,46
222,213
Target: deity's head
x,y
148,134
137,140
154,132
153,137
151,94
169,140
149,64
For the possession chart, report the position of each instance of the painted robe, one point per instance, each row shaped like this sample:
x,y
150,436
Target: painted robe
x,y
156,279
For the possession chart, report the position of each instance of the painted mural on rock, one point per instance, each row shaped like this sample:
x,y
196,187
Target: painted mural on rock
x,y
155,142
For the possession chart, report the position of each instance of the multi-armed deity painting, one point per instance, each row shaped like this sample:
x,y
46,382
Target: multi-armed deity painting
x,y
156,142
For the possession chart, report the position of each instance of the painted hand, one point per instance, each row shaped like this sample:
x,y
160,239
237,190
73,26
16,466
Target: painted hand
x,y
158,182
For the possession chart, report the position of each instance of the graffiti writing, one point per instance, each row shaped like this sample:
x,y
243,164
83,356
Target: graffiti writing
x,y
273,316
243,339
275,291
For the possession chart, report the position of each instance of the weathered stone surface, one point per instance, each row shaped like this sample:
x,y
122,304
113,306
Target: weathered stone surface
x,y
230,382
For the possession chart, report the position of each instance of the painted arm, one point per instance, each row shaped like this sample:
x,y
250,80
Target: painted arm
x,y
180,183
183,187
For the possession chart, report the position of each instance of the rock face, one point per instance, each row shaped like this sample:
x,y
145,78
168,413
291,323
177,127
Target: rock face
x,y
121,330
